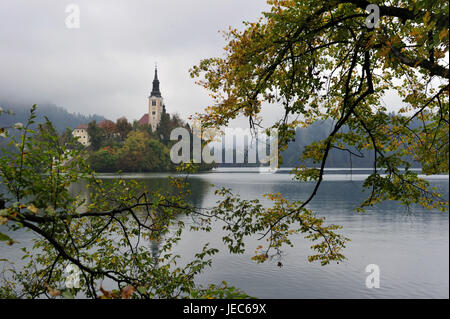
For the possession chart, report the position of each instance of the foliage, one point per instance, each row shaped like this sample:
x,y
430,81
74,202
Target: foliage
x,y
222,291
96,135
75,232
123,128
320,61
18,113
121,147
109,128
138,153
108,234
104,160
143,154
166,125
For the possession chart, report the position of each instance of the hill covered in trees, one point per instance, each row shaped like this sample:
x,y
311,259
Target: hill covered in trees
x,y
340,158
115,146
59,116
345,157
127,147
131,147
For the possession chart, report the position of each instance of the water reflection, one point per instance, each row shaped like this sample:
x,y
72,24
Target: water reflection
x,y
150,182
410,246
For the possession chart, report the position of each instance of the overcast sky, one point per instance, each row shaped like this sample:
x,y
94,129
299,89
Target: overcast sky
x,y
107,65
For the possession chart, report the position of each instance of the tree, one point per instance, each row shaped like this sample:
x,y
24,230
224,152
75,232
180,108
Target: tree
x,y
159,159
96,135
109,128
141,153
164,128
123,128
326,60
77,235
134,153
108,234
166,125
104,160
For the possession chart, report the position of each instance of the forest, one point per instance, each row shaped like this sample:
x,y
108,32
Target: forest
x,y
129,147
115,146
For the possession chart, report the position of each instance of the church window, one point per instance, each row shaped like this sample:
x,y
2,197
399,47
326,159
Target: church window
x,y
153,112
153,102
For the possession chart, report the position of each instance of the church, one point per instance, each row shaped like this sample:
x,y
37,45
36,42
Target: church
x,y
156,106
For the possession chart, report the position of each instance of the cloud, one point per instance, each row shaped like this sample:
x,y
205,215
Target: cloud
x,y
106,66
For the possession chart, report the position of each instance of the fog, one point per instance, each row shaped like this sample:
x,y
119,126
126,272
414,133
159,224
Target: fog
x,y
106,66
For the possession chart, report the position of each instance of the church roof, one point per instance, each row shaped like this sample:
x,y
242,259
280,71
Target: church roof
x,y
144,119
82,127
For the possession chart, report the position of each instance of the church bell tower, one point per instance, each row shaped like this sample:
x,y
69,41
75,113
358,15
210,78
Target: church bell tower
x,y
155,104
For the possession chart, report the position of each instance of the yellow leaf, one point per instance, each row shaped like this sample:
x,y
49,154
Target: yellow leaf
x,y
53,292
32,208
127,292
443,34
427,17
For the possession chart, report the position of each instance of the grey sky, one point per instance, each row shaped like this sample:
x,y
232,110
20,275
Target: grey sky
x,y
106,66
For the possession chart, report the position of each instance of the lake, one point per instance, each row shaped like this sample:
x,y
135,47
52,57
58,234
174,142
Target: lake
x,y
411,247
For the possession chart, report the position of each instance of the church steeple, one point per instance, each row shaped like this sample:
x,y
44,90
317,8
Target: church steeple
x,y
155,89
155,104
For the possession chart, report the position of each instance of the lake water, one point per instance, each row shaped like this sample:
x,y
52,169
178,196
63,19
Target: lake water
x,y
411,247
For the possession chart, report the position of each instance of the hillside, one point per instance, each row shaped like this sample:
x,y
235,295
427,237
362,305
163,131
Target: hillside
x,y
59,116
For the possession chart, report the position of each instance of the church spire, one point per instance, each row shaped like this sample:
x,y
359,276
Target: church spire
x,y
155,90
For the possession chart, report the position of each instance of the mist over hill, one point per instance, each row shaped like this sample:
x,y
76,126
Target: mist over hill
x,y
59,116
61,119
337,158
306,136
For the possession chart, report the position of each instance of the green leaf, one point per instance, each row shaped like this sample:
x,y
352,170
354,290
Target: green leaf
x,y
4,237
